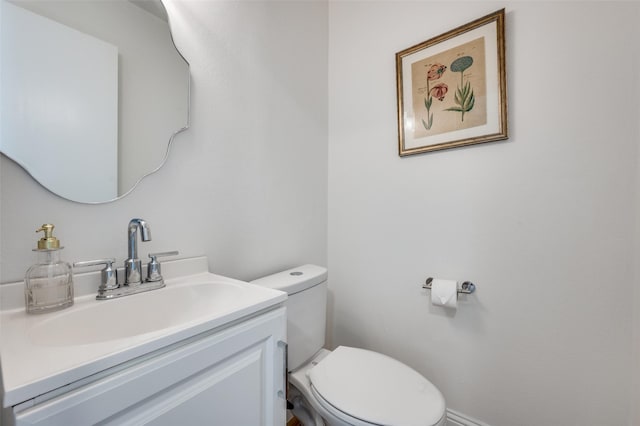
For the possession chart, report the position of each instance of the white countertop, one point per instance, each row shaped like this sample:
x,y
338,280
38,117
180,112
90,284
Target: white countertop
x,y
30,368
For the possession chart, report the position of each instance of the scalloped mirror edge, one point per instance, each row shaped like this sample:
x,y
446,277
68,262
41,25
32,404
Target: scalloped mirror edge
x,y
161,7
182,129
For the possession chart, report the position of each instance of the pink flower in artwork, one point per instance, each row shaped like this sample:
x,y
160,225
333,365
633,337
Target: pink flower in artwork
x,y
439,90
435,72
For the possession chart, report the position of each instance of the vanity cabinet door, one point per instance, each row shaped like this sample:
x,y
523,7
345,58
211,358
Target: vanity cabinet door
x,y
233,377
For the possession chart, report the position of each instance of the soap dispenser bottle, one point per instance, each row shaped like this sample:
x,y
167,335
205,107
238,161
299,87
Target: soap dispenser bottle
x,y
48,283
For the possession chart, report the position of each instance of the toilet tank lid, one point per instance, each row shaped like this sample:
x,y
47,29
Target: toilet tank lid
x,y
294,280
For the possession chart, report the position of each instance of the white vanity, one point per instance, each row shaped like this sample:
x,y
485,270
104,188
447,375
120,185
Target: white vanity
x,y
205,349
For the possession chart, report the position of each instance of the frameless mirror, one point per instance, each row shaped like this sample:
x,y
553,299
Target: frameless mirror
x,y
93,93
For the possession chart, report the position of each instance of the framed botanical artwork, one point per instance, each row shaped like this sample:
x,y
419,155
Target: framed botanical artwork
x,y
452,89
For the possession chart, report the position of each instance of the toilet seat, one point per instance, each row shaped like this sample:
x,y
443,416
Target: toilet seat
x,y
344,417
374,389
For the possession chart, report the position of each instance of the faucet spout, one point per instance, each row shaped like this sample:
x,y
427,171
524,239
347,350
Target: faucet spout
x,y
133,265
145,235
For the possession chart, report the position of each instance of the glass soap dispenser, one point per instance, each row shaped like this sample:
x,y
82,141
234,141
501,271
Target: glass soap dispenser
x,y
48,283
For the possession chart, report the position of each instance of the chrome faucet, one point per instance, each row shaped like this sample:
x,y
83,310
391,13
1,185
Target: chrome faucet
x,y
133,283
133,265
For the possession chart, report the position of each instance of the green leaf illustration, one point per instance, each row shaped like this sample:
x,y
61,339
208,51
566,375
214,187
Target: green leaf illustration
x,y
428,125
458,97
427,103
464,96
469,103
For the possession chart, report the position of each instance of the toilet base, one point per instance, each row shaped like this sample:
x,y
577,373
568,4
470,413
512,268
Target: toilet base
x,y
302,409
300,387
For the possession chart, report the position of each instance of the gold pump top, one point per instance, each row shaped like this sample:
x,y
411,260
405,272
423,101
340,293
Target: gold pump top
x,y
48,242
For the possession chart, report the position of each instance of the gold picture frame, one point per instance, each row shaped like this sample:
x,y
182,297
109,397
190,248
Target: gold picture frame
x,y
459,75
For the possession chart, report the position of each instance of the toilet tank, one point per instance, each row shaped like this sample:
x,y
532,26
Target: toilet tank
x,y
306,309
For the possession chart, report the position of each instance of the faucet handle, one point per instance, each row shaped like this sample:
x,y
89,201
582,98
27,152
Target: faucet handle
x,y
109,275
153,269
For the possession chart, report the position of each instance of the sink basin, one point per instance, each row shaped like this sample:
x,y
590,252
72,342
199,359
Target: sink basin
x,y
137,314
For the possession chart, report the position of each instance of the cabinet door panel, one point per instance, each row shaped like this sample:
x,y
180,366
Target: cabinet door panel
x,y
226,393
230,377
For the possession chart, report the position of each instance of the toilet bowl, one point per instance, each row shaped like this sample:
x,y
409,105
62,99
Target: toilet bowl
x,y
351,386
346,386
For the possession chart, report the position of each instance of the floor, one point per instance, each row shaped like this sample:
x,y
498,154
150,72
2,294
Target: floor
x,y
294,422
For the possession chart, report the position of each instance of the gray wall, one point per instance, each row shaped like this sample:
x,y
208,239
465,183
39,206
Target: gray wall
x,y
543,223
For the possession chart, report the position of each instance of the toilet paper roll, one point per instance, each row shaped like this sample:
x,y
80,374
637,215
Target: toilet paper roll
x,y
444,293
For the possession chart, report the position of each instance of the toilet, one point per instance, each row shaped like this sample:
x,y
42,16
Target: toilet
x,y
346,386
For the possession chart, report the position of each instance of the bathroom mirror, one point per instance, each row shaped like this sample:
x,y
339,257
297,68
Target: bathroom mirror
x,y
93,93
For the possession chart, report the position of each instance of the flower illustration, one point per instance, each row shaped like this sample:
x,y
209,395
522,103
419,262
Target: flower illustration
x,y
464,97
435,72
439,90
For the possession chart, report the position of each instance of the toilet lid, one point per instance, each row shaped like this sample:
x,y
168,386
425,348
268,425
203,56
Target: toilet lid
x,y
376,388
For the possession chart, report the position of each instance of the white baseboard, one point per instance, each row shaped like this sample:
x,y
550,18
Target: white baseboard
x,y
455,418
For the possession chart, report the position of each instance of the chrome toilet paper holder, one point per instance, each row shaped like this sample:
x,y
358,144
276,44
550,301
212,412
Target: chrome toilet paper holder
x,y
466,287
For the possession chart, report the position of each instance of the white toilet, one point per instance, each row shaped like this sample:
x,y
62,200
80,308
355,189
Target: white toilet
x,y
347,386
